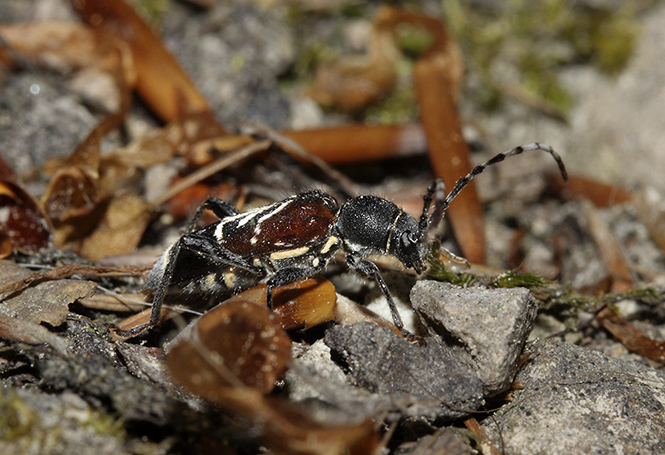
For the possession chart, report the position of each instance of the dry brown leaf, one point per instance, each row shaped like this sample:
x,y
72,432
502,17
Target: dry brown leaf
x,y
630,337
651,211
610,249
23,224
121,228
234,345
15,280
449,155
354,82
299,305
232,356
161,82
472,424
601,194
28,332
354,143
184,204
67,45
44,302
189,136
71,193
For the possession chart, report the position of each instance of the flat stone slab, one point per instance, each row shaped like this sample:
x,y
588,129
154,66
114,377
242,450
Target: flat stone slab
x,y
580,401
430,381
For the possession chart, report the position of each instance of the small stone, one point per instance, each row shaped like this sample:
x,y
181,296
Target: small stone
x,y
430,381
489,325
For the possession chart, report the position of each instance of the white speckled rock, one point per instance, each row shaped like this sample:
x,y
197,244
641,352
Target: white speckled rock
x,y
490,325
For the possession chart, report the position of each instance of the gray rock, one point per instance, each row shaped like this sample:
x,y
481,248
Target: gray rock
x,y
234,54
40,118
319,385
488,326
430,381
617,118
579,401
39,423
444,441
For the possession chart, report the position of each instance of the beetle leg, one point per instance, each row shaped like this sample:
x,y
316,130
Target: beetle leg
x,y
369,269
204,247
285,276
220,208
210,249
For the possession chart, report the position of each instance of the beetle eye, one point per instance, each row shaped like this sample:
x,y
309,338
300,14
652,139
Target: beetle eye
x,y
409,239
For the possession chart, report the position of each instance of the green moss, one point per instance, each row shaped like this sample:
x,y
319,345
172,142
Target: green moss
x,y
237,62
512,279
437,269
353,9
152,11
17,420
309,59
559,300
399,106
614,42
21,425
413,41
106,424
538,39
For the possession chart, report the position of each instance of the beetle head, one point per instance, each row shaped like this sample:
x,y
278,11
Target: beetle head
x,y
407,243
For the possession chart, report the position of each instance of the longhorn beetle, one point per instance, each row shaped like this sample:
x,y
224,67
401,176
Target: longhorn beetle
x,y
296,238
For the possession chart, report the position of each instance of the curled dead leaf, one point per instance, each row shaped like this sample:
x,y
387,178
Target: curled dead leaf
x,y
631,337
72,192
237,344
121,228
232,356
299,305
354,82
23,225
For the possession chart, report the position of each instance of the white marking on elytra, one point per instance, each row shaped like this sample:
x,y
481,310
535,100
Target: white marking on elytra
x,y
332,240
251,214
288,254
229,277
242,219
278,209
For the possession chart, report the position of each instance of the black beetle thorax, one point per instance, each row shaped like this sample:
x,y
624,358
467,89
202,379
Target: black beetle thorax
x,y
364,224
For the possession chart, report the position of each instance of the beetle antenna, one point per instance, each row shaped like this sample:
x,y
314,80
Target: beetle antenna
x,y
464,181
425,218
